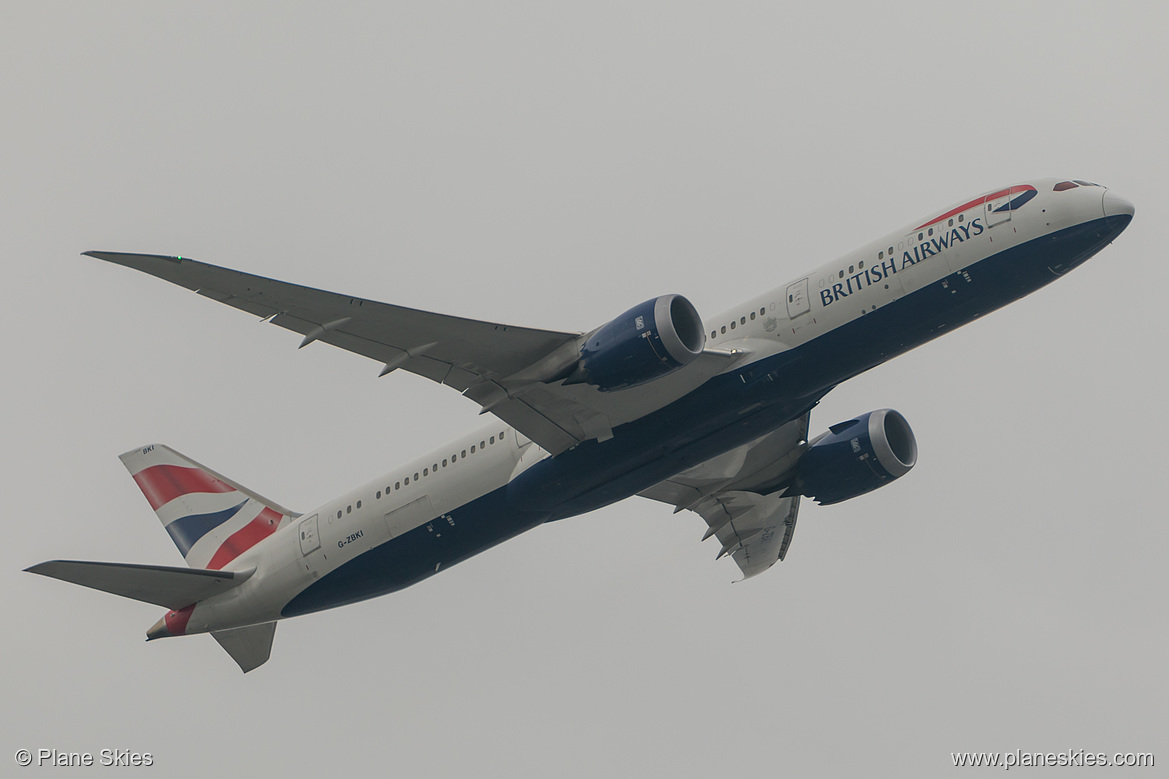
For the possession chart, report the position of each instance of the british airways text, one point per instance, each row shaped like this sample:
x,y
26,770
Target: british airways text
x,y
921,251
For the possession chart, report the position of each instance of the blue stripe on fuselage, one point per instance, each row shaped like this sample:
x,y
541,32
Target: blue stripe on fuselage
x,y
711,419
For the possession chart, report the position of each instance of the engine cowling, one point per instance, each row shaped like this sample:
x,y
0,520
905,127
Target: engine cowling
x,y
645,343
856,457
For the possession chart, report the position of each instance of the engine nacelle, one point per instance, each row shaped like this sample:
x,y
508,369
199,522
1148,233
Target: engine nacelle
x,y
856,457
645,343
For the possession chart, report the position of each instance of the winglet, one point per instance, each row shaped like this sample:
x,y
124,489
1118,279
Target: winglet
x,y
120,258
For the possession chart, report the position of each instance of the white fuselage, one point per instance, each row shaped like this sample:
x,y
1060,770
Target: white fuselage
x,y
429,491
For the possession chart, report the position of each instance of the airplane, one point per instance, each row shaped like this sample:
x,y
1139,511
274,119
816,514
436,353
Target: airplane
x,y
710,416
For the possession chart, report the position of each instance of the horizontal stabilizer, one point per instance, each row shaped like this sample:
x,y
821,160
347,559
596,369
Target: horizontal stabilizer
x,y
250,647
173,588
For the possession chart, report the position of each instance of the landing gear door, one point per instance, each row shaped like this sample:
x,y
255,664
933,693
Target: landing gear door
x,y
310,539
797,299
998,210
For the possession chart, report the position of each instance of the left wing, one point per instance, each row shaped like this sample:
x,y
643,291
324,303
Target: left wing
x,y
162,585
506,370
741,495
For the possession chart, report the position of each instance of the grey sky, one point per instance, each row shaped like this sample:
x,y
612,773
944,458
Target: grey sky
x,y
552,165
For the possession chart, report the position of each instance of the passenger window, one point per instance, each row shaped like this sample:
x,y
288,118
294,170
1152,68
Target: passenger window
x,y
338,513
762,311
464,453
492,440
861,265
961,217
397,485
920,236
951,223
359,504
842,274
379,494
851,268
880,255
742,320
406,481
434,467
444,462
724,328
425,471
890,251
714,334
752,316
472,448
348,509
732,325
482,444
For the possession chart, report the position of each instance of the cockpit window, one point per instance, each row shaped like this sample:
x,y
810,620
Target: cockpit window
x,y
1086,183
1061,186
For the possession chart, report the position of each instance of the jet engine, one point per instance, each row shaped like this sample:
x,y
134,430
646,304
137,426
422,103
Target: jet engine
x,y
856,457
645,343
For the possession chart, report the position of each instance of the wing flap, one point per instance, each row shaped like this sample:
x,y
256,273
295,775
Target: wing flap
x,y
741,496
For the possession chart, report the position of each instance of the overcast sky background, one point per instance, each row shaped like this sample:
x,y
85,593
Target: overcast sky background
x,y
552,165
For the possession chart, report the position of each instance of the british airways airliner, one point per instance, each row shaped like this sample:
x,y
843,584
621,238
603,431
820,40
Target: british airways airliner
x,y
710,416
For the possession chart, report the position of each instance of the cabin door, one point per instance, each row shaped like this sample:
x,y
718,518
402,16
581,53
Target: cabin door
x,y
797,299
310,539
998,210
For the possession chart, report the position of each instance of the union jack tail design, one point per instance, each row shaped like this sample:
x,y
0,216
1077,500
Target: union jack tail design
x,y
211,519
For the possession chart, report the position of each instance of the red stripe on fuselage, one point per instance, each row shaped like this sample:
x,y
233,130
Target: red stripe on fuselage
x,y
977,202
163,483
245,538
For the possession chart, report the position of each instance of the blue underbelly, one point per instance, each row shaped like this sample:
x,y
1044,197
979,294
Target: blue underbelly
x,y
728,411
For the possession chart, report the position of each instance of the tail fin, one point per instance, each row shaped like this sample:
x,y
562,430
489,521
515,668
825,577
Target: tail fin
x,y
211,519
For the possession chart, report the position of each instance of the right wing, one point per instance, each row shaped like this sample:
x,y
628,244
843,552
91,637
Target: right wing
x,y
742,496
506,370
755,530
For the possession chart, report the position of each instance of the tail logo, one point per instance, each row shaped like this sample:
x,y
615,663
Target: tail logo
x,y
211,519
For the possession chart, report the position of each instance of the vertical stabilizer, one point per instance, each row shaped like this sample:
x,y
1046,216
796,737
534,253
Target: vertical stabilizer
x,y
211,519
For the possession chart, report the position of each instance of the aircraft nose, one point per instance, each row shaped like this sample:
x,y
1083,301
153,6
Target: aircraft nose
x,y
1115,205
